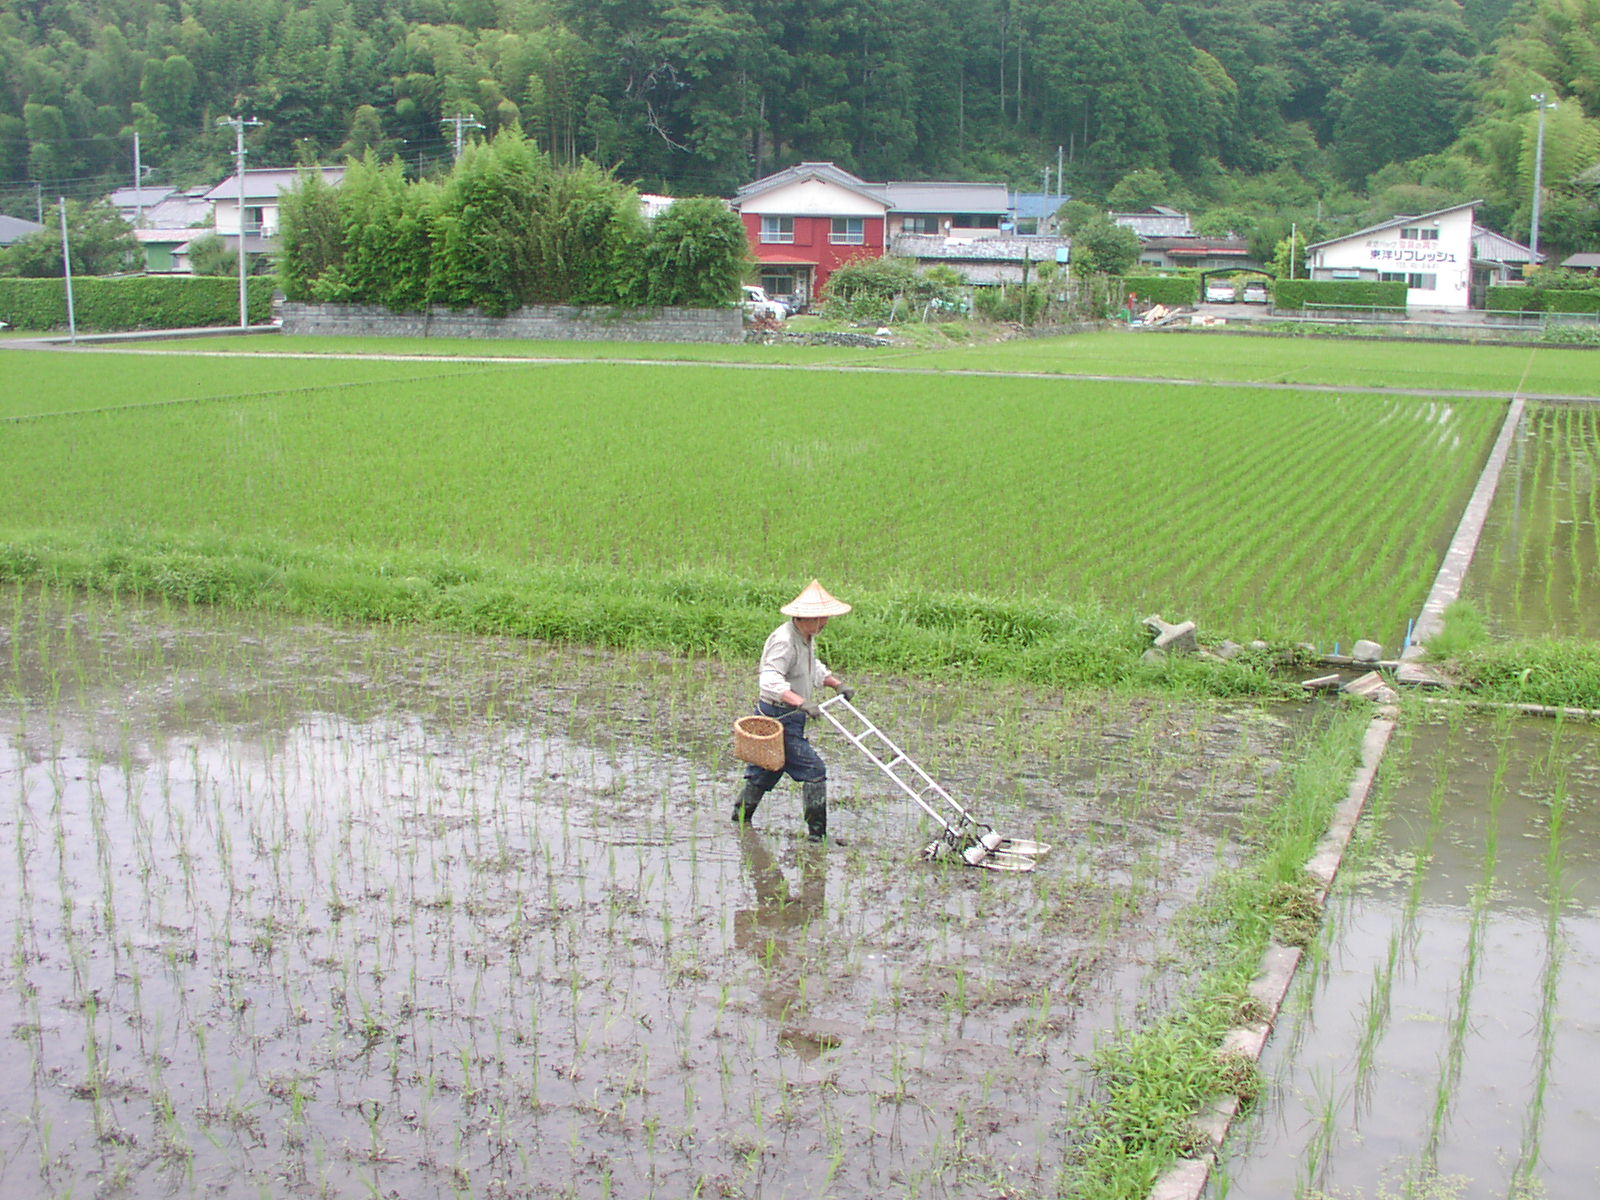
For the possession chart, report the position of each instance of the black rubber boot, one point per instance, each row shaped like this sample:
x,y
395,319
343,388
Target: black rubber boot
x,y
815,798
744,808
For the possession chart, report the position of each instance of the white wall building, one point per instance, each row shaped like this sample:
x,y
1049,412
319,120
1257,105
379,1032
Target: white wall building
x,y
1431,254
261,203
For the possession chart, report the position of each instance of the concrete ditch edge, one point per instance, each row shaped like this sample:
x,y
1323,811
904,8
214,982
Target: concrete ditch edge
x,y
1452,574
1187,1180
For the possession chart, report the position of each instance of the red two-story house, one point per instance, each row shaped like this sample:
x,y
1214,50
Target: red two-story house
x,y
807,221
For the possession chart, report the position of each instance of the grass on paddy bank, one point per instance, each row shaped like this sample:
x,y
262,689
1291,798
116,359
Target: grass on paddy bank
x,y
892,630
1212,356
913,632
1155,1078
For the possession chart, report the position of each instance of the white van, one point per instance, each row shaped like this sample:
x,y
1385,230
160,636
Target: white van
x,y
758,304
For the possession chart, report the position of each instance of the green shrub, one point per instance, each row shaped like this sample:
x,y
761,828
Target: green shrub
x,y
1563,301
1340,293
133,302
1011,302
1171,290
1513,298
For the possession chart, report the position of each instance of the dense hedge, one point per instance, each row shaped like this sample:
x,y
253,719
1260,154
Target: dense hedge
x,y
1344,293
133,302
1507,297
1170,290
1560,301
1529,299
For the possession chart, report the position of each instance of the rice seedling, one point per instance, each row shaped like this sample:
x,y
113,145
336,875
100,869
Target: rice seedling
x,y
157,484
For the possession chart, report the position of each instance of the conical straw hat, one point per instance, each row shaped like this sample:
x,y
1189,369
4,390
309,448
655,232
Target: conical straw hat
x,y
814,602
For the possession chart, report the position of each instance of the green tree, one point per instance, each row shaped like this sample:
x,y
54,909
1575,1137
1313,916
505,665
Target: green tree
x,y
1104,248
696,254
483,230
102,243
311,234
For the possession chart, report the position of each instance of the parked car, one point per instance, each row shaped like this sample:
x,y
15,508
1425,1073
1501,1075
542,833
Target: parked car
x,y
1219,292
758,304
1255,292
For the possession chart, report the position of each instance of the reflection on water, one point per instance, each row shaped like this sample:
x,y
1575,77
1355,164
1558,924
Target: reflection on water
x,y
1537,568
1445,1046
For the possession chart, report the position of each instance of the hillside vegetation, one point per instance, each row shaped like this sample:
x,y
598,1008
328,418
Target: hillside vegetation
x,y
1259,111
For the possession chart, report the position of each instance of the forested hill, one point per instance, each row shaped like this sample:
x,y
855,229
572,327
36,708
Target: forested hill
x,y
702,95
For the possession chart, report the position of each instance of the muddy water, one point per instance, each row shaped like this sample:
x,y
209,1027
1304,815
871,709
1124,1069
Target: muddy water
x,y
304,910
1445,1043
1537,569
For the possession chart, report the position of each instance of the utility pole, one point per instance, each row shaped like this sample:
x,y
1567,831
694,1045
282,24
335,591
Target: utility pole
x,y
1544,103
66,270
462,122
239,124
138,191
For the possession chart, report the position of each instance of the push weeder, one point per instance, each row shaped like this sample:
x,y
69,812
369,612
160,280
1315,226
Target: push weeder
x,y
965,837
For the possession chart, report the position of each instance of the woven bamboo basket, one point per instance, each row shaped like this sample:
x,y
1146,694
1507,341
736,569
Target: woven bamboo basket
x,y
759,740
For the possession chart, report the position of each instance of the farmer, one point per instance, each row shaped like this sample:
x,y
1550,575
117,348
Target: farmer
x,y
791,674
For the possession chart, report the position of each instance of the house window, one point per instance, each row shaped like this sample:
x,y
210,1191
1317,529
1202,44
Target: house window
x,y
254,217
777,229
849,231
1412,279
976,221
779,285
1420,233
922,224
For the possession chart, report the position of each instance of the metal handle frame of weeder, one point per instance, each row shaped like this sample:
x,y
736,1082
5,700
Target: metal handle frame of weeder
x,y
973,841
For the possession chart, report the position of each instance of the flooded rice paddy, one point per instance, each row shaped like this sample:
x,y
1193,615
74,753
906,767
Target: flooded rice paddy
x,y
1537,571
308,910
1442,1040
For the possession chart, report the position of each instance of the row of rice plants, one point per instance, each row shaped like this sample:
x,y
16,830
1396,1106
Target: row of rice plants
x,y
1539,567
1212,356
344,911
1121,495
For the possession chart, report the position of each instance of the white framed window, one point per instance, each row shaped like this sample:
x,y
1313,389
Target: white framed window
x,y
777,229
920,224
1420,233
848,231
1412,279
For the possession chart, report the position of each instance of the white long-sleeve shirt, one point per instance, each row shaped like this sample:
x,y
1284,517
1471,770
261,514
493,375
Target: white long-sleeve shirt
x,y
789,663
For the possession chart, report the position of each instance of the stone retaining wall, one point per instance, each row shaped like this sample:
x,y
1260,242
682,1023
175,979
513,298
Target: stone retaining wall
x,y
543,322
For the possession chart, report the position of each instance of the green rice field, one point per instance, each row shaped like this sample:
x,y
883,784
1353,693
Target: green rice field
x,y
1275,514
1537,571
1210,357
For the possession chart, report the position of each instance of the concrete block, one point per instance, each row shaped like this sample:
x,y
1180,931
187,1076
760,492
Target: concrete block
x,y
1180,639
1366,651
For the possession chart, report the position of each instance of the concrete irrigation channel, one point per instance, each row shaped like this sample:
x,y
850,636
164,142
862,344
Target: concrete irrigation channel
x,y
1507,1105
